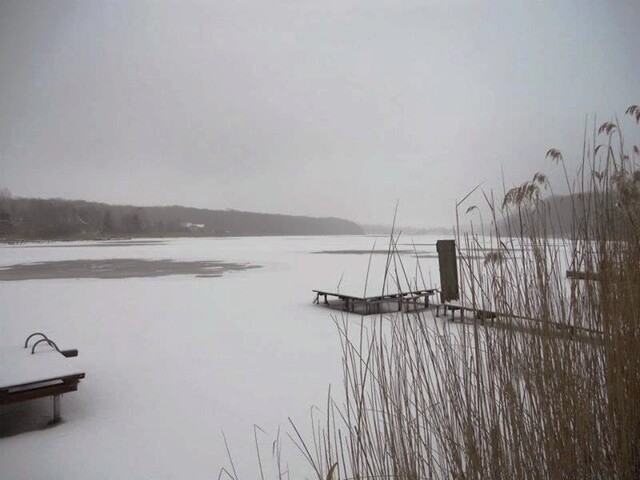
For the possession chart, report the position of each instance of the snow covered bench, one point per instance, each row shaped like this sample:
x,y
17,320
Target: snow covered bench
x,y
47,372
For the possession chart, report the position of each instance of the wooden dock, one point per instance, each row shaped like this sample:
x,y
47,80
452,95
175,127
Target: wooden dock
x,y
476,313
410,301
402,301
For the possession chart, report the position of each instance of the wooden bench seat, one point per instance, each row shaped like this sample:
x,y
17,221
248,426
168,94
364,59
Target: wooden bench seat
x,y
45,373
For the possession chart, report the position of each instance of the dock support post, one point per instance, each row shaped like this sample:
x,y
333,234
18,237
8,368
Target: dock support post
x,y
56,409
448,264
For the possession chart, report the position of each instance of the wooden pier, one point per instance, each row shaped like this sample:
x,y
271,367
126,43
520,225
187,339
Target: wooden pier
x,y
410,301
476,313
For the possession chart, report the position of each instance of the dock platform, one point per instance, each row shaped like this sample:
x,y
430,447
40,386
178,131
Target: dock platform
x,y
476,313
410,301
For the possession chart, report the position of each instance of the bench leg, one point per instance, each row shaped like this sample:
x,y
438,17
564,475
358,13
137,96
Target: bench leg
x,y
56,409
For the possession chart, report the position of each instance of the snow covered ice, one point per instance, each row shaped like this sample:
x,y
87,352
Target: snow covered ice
x,y
172,361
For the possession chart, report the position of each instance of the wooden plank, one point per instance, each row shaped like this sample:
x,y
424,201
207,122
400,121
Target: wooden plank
x,y
38,392
66,379
388,296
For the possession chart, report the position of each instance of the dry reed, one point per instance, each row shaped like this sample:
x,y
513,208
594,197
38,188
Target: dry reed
x,y
549,389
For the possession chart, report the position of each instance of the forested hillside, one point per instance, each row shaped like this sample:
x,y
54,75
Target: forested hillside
x,y
35,219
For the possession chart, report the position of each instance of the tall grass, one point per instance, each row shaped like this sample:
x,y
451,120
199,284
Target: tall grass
x,y
550,388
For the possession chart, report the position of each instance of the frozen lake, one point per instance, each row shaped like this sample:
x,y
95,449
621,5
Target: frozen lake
x,y
175,358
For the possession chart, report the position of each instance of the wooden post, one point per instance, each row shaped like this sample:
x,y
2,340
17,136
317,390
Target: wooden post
x,y
448,264
56,409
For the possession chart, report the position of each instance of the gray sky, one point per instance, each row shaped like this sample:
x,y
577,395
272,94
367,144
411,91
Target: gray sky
x,y
308,107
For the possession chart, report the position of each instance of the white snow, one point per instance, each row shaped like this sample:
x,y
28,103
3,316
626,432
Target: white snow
x,y
171,362
18,366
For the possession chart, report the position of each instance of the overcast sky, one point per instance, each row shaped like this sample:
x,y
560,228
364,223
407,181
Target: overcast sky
x,y
303,107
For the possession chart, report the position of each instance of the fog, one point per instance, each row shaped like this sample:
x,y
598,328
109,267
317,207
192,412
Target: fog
x,y
318,108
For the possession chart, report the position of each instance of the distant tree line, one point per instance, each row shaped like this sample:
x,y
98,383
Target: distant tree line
x,y
48,219
29,218
374,229
560,217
